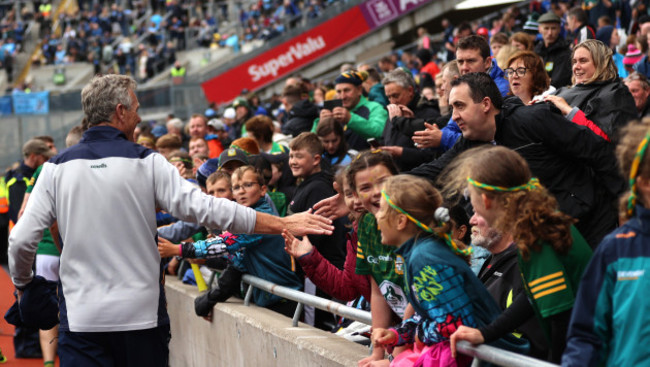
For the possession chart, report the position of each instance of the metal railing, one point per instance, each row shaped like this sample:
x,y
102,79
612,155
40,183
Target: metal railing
x,y
303,299
482,352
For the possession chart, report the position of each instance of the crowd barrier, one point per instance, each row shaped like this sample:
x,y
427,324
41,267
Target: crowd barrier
x,y
482,352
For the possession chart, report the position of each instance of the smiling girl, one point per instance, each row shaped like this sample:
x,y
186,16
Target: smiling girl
x,y
441,287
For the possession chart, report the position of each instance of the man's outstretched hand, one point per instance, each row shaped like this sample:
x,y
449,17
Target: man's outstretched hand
x,y
302,224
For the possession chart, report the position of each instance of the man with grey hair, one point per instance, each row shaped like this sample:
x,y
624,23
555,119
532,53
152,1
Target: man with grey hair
x,y
639,87
111,293
407,113
500,275
175,126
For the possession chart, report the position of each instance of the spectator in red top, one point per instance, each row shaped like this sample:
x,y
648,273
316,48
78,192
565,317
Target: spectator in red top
x,y
428,66
199,129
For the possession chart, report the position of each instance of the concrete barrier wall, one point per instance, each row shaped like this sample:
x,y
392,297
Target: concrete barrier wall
x,y
248,336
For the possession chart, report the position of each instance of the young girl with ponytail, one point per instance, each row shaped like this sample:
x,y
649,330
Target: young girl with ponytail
x,y
440,285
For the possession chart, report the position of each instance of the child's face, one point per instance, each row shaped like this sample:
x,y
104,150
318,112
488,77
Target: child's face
x,y
352,202
220,189
303,163
246,189
276,173
369,182
386,222
330,142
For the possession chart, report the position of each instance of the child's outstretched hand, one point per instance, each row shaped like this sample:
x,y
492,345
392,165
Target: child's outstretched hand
x,y
383,337
167,248
294,246
332,207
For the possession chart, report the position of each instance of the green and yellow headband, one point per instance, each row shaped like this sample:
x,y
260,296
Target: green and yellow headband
x,y
634,170
532,184
448,240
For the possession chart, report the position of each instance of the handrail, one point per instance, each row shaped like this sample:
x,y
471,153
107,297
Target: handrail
x,y
483,352
301,297
499,356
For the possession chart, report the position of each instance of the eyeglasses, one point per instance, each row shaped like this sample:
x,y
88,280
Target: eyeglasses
x,y
510,72
244,185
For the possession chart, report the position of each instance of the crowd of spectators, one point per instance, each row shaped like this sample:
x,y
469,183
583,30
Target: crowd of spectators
x,y
127,39
556,90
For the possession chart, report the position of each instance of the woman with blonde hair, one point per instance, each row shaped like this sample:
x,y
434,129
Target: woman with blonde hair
x,y
597,91
552,253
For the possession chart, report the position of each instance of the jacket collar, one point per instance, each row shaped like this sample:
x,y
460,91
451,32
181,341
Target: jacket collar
x,y
102,133
641,219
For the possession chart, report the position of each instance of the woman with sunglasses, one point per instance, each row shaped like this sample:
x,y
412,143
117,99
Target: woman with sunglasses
x,y
597,95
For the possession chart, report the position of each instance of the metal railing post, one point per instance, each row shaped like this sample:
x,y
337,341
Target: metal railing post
x,y
249,294
296,315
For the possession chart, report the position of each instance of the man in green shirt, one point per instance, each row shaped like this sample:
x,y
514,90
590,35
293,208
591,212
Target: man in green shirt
x,y
361,118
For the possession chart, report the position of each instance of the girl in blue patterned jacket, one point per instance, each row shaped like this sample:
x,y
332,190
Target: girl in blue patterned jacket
x,y
441,287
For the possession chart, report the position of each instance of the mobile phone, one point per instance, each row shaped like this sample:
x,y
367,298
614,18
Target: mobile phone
x,y
329,105
373,143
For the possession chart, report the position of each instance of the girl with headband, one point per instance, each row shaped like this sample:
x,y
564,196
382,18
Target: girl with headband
x,y
607,326
441,287
552,253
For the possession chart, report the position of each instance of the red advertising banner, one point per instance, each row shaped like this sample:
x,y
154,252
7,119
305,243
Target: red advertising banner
x,y
287,57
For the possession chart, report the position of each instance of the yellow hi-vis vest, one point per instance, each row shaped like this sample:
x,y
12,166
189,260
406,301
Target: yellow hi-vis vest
x,y
10,183
178,72
4,196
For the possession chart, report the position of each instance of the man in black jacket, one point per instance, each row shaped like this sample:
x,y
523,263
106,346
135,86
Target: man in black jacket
x,y
577,166
554,50
407,113
301,113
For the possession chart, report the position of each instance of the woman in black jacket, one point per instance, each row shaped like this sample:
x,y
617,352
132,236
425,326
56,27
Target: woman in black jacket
x,y
597,95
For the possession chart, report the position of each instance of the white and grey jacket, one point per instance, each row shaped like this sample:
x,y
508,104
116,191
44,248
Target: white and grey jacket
x,y
104,192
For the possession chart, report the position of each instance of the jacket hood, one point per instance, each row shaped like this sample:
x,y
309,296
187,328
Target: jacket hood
x,y
304,108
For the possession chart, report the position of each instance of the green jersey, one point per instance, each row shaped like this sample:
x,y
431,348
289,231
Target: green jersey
x,y
381,262
551,280
46,246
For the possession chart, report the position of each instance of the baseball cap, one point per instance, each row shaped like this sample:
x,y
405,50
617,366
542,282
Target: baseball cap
x,y
482,31
240,102
217,124
232,154
229,113
206,169
209,113
38,147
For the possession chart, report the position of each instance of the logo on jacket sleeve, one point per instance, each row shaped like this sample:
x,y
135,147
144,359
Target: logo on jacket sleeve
x,y
629,275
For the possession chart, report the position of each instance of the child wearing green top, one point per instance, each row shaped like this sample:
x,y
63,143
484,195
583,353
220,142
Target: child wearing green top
x,y
366,175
